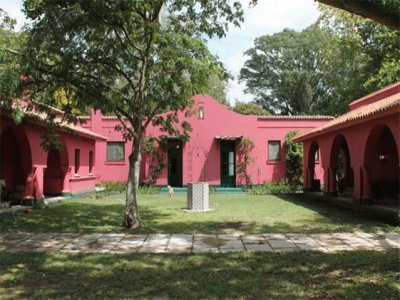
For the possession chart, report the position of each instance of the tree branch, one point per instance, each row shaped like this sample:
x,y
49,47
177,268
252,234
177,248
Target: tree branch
x,y
368,9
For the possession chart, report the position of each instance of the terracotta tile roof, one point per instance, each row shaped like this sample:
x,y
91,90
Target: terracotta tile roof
x,y
40,117
65,126
299,117
354,115
377,95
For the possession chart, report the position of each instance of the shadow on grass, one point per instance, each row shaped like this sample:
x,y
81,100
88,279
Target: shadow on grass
x,y
297,275
91,216
73,217
338,215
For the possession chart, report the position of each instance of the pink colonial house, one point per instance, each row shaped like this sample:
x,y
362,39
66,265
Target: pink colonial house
x,y
212,153
93,151
359,151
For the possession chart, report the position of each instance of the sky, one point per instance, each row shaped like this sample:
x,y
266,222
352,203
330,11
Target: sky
x,y
267,17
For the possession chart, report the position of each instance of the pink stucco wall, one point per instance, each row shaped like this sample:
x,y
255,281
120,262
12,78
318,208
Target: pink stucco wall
x,y
201,155
275,129
37,176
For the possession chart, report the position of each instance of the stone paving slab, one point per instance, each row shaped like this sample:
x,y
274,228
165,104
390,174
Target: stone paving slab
x,y
198,243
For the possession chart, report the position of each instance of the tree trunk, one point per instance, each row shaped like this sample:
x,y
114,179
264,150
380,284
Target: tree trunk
x,y
131,217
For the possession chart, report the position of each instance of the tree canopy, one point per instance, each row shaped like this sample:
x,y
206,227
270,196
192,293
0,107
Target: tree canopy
x,y
322,68
11,44
138,59
284,70
249,108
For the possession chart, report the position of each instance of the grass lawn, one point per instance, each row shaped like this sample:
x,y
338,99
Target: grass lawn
x,y
295,275
232,213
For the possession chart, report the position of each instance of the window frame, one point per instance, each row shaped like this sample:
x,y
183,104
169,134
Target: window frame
x,y
279,155
123,151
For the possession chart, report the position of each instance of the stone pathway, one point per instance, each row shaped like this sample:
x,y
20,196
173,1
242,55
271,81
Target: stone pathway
x,y
198,243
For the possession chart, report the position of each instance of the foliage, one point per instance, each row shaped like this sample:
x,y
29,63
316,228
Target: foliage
x,y
374,46
217,88
321,69
293,160
68,103
249,108
212,190
155,152
149,190
10,60
284,70
138,59
114,186
272,188
245,148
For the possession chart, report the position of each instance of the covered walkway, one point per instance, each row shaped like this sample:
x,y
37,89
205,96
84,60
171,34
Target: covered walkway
x,y
358,151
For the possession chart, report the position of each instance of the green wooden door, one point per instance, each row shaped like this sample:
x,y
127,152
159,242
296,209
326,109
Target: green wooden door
x,y
228,164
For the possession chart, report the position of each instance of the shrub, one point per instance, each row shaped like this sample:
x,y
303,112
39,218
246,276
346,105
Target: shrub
x,y
114,186
111,188
294,159
271,188
149,190
212,190
245,159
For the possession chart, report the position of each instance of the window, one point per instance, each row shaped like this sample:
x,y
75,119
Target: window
x,y
201,112
274,150
77,160
91,162
115,151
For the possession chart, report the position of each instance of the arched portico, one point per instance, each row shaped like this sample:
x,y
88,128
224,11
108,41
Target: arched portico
x,y
312,183
57,168
381,166
15,158
341,177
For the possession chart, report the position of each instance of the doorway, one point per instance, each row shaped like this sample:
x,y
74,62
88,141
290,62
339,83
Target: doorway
x,y
175,163
228,163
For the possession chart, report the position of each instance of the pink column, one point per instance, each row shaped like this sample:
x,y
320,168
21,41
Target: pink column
x,y
38,182
358,182
29,194
326,180
66,183
310,178
367,185
332,182
305,176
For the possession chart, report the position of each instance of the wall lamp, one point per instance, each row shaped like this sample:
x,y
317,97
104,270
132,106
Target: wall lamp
x,y
383,156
